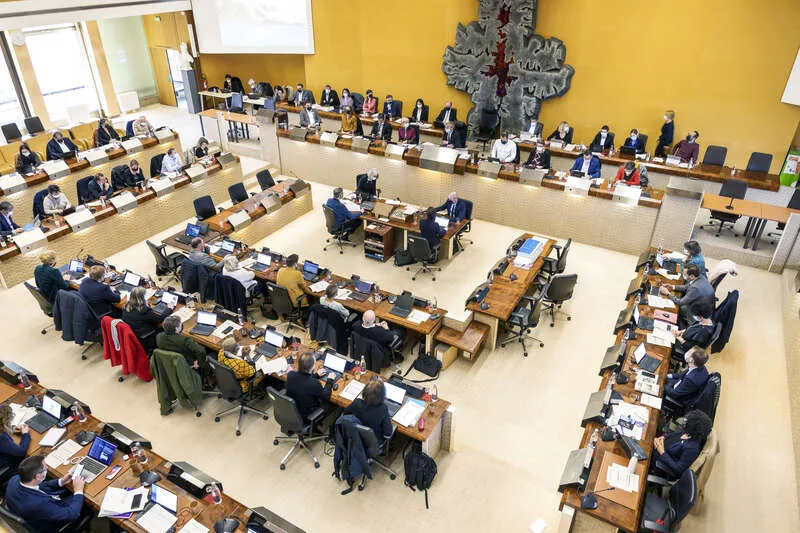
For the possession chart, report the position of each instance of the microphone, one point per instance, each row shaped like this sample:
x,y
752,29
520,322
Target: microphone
x,y
78,255
730,205
589,501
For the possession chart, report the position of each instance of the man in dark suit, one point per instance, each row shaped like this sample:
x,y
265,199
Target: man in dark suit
x,y
99,188
7,224
97,294
58,145
587,163
455,207
45,505
634,141
382,129
534,127
447,114
696,290
539,157
429,229
391,108
301,96
232,84
452,138
347,220
684,386
604,140
329,97
305,389
366,184
379,332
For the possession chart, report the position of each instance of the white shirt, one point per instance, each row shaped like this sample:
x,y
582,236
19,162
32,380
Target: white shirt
x,y
446,117
245,277
532,127
63,146
55,205
506,153
585,166
171,163
603,138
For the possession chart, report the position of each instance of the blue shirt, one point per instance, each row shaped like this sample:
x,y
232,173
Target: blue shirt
x,y
699,261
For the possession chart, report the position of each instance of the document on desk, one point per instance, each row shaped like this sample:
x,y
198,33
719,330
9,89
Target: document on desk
x,y
630,419
651,401
220,332
675,256
409,414
352,390
214,249
618,476
392,202
52,436
661,303
277,365
247,263
665,327
659,340
156,520
21,414
184,313
62,454
319,286
418,317
193,526
410,210
666,274
351,206
120,501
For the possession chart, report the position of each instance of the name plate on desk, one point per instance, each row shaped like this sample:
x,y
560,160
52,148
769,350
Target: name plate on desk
x,y
133,145
30,240
532,176
299,187
196,172
80,220
124,202
271,202
626,194
489,169
360,144
96,156
239,220
164,134
298,133
328,138
438,158
162,187
395,151
576,185
557,144
56,169
12,183
226,159
673,160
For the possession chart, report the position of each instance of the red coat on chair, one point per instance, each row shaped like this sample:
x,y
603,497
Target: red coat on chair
x,y
121,346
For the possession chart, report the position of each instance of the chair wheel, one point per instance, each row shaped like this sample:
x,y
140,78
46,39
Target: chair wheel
x,y
265,417
569,318
198,414
413,278
717,235
392,476
552,325
541,345
407,269
219,396
120,379
434,279
525,354
283,466
361,487
316,464
83,358
275,442
216,419
238,433
341,252
44,331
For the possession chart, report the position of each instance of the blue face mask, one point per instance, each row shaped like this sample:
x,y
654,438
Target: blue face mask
x,y
503,142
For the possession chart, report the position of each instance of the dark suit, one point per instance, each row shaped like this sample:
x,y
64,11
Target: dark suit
x,y
384,132
431,231
567,138
96,191
419,115
307,392
329,99
200,152
391,109
124,177
687,384
604,145
678,456
53,150
144,325
455,212
441,119
453,138
366,186
7,226
99,296
594,166
39,508
381,335
375,417
49,281
104,135
235,86
698,290
538,160
301,97
537,131
637,144
346,220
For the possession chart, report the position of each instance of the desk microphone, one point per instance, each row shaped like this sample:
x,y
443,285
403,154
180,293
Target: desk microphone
x,y
589,501
730,205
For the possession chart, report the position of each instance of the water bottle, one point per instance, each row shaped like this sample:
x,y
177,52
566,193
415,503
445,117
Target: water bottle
x,y
3,243
362,364
78,412
216,494
632,464
661,247
733,170
240,317
102,202
435,394
25,380
595,437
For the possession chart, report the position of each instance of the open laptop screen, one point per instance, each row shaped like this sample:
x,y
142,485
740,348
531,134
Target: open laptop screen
x,y
394,393
102,451
274,338
334,362
206,318
51,407
132,279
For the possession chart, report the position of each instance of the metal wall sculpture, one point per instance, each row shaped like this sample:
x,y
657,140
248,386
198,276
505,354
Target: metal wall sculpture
x,y
504,66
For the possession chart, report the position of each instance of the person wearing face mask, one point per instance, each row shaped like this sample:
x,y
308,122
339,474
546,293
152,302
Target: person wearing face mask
x,y
452,138
280,95
603,141
309,118
685,385
420,113
698,334
688,149
302,95
503,150
391,108
695,256
382,130
56,202
628,174
255,89
588,164
407,134
7,224
232,84
329,97
696,290
447,114
201,150
562,133
540,157
667,134
27,159
105,132
125,176
142,127
675,452
58,146
99,188
534,128
633,141
346,100
351,124
370,105
47,277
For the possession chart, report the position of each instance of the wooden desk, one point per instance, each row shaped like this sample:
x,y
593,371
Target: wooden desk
x,y
172,240
745,208
219,222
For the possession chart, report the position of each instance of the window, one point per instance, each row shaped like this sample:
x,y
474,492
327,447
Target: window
x,y
62,70
10,110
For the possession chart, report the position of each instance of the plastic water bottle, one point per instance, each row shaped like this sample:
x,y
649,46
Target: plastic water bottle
x,y
78,412
595,437
216,494
240,317
435,394
25,380
362,364
661,247
733,170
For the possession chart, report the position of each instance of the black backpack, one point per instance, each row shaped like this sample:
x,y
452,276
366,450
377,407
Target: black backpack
x,y
420,471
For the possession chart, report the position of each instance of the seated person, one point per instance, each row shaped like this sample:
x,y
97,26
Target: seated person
x,y
56,202
695,256
407,134
696,290
58,146
305,389
455,208
686,385
688,149
391,108
48,279
379,331
603,139
329,97
172,340
675,452
447,114
292,280
201,150
301,96
128,175
633,141
26,159
368,183
346,100
503,150
232,84
420,113
349,121
381,129
44,504
370,105
171,162
628,174
309,118
371,411
141,318
99,188
142,128
199,254
7,225
698,334
230,267
280,95
587,163
11,453
347,220
452,138
99,295
534,128
540,157
243,370
429,229
562,133
105,132
329,300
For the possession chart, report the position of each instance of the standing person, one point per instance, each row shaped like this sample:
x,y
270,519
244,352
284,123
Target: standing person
x,y
667,133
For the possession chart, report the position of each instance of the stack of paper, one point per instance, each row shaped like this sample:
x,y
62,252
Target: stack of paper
x,y
666,274
52,436
319,286
62,454
619,477
157,520
352,390
675,256
409,414
247,263
392,202
120,501
184,313
651,401
193,526
21,414
630,419
418,317
655,338
661,303
277,365
219,332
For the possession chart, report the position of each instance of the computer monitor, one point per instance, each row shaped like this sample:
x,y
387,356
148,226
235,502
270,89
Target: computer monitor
x,y
363,286
76,265
274,338
206,318
311,268
132,279
192,230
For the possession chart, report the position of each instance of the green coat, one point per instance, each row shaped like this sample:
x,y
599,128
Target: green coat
x,y
188,348
175,380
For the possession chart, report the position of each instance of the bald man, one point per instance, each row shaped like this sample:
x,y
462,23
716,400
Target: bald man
x,y
378,331
455,208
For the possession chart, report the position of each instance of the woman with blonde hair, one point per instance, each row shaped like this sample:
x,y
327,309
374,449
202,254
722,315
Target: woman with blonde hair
x,y
141,318
48,279
230,267
563,133
11,453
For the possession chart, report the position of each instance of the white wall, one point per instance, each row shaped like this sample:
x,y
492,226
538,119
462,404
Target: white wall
x,y
128,58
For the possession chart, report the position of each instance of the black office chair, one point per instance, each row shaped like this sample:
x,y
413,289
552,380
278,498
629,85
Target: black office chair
x,y
204,208
326,325
794,203
460,240
461,128
11,132
231,294
759,162
44,305
376,356
34,125
715,155
557,265
166,264
643,138
82,187
558,291
358,102
664,515
731,188
291,313
231,390
705,400
524,318
374,450
420,250
265,180
21,525
295,430
38,204
197,278
487,126
336,231
238,193
155,165
118,177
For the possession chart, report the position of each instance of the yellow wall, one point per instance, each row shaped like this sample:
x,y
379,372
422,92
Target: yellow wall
x,y
720,64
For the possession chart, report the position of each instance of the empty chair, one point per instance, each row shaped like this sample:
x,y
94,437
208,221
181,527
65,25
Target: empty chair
x,y
759,162
358,102
237,192
11,132
489,119
731,188
468,205
643,138
374,450
265,180
34,125
230,294
295,430
336,231
82,186
165,263
204,207
794,203
44,305
663,515
557,265
558,291
420,250
230,389
715,155
289,311
236,103
524,318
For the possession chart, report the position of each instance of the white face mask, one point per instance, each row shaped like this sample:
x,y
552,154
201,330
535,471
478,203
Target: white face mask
x,y
633,136
687,358
26,153
419,106
666,117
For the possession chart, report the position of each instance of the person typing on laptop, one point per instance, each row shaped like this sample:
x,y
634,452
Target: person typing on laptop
x,y
371,410
199,254
696,290
7,224
329,300
292,280
588,164
171,340
141,318
99,295
243,370
56,202
379,331
58,146
305,389
27,159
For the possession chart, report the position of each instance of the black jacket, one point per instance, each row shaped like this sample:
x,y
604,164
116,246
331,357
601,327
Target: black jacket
x,y
32,160
567,138
95,191
104,135
384,133
49,281
99,296
330,99
375,417
307,392
606,145
454,138
431,231
235,86
423,114
142,323
544,159
200,152
54,150
726,314
439,122
122,177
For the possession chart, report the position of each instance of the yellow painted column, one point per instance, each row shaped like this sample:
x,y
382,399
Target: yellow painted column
x,y
31,83
103,72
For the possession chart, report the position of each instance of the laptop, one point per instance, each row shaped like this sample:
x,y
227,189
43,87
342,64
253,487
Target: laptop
x,y
75,269
368,205
442,222
394,397
226,247
362,290
101,453
49,416
168,302
272,342
192,231
642,322
72,154
130,281
577,173
27,170
627,150
645,361
334,364
206,323
262,263
310,271
402,307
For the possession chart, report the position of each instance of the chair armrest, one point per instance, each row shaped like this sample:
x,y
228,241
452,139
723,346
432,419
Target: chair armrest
x,y
657,480
396,343
316,415
670,405
650,525
557,248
